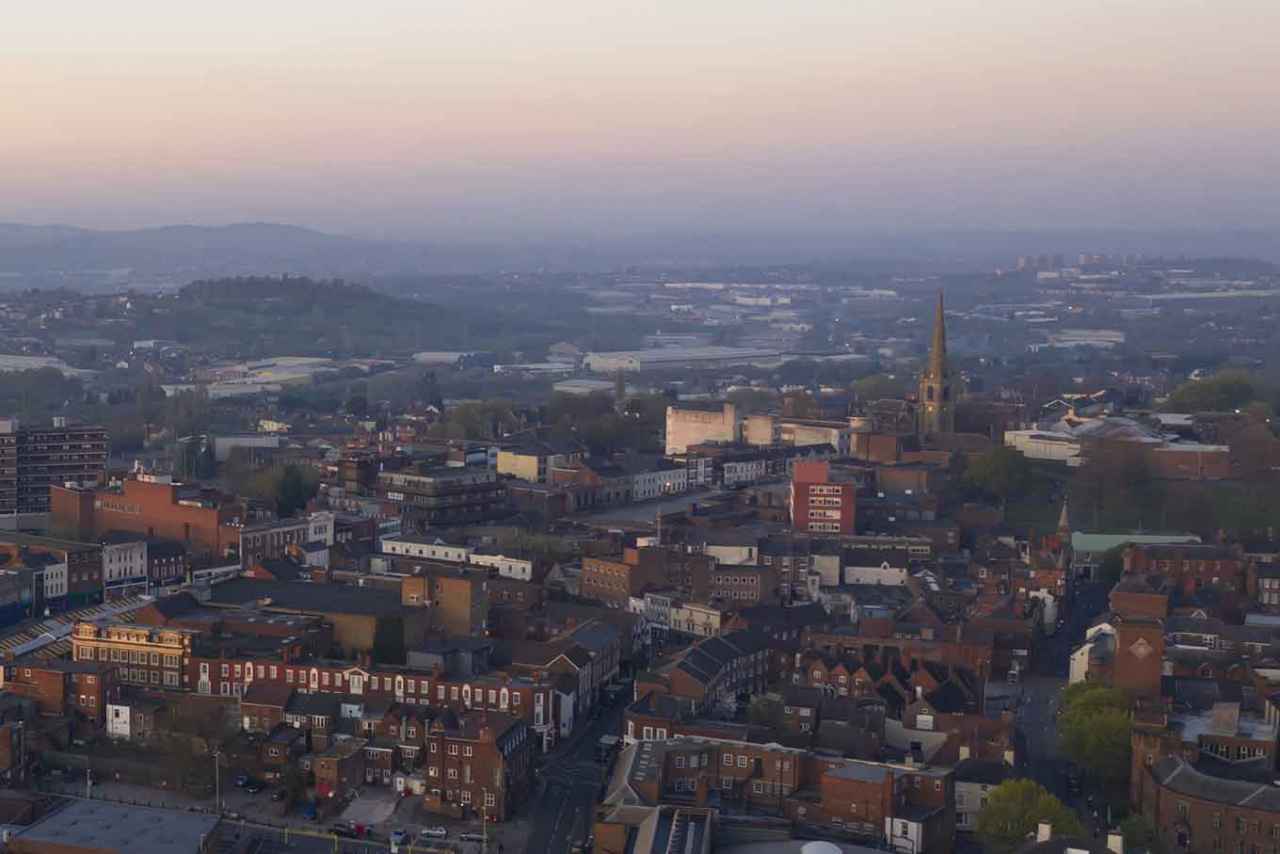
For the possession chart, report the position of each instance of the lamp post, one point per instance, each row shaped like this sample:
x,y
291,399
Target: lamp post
x,y
217,783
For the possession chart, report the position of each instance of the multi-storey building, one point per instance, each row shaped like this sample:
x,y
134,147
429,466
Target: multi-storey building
x,y
34,458
478,764
204,520
443,496
272,540
820,505
83,561
125,570
905,808
713,673
613,581
144,656
58,686
228,674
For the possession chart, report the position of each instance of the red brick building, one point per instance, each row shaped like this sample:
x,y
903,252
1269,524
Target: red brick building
x,y
478,764
1194,811
59,687
818,504
1189,567
204,520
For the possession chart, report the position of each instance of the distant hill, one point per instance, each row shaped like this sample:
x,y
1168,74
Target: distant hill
x,y
41,255
171,256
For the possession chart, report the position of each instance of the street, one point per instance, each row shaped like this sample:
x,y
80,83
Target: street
x,y
564,811
1041,692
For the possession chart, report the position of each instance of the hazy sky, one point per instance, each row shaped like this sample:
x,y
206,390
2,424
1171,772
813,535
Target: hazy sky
x,y
479,119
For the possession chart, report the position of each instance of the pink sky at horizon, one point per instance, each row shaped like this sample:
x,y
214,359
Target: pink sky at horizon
x,y
407,118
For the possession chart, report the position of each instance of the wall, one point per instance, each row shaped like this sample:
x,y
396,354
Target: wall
x,y
687,427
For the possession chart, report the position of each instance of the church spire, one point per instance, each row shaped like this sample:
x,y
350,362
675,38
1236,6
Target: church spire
x,y
938,347
936,401
1064,520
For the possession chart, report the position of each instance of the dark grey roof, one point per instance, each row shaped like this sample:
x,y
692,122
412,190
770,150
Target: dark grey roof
x,y
319,598
1178,776
314,704
986,771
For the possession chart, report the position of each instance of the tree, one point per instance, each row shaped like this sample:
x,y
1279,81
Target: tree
x,y
1015,809
1094,728
1140,835
1222,392
876,387
749,401
1112,566
295,489
1001,472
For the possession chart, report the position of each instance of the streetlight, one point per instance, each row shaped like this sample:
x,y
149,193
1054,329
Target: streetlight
x,y
217,783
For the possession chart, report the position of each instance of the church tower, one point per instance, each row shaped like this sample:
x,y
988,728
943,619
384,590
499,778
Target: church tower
x,y
937,413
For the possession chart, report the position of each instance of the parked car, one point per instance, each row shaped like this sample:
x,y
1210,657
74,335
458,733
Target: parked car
x,y
241,780
435,832
471,837
254,786
397,839
342,830
279,795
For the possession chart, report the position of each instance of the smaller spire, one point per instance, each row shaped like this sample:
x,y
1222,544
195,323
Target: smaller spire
x,y
1064,519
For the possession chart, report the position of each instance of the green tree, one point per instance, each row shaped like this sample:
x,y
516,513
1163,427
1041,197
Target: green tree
x,y
749,401
876,387
1140,835
1015,809
1112,566
1002,473
1222,392
1094,728
295,489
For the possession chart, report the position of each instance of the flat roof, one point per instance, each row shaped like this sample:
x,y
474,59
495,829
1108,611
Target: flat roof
x,y
106,826
1082,542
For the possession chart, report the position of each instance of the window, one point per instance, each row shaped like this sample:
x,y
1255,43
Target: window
x,y
453,773
435,747
757,788
515,699
679,761
742,761
434,770
226,671
453,750
728,760
490,799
